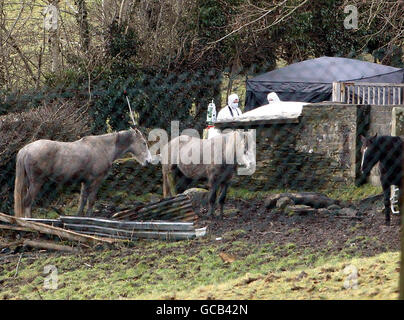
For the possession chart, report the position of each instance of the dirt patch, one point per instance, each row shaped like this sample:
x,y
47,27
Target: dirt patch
x,y
321,230
250,221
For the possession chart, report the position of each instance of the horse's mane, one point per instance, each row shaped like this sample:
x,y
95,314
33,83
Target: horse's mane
x,y
387,141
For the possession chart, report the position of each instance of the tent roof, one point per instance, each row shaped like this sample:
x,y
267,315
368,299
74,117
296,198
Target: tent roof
x,y
325,70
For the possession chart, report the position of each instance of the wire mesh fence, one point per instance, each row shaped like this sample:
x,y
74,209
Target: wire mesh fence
x,y
318,148
69,69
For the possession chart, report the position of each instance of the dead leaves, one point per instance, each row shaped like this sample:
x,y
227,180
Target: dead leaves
x,y
226,257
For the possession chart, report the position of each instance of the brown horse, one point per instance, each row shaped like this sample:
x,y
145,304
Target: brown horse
x,y
214,160
86,160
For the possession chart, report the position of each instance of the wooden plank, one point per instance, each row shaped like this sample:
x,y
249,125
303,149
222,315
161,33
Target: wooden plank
x,y
163,235
187,216
155,205
15,228
394,95
49,246
129,225
377,84
363,95
359,95
51,222
388,95
171,212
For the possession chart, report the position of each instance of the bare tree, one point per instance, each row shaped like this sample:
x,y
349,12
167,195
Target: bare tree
x,y
82,21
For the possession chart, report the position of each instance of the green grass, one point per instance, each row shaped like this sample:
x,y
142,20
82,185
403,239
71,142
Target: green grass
x,y
160,270
377,278
194,269
351,192
344,193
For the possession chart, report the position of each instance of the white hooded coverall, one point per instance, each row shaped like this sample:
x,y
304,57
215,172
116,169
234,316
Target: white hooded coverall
x,y
231,110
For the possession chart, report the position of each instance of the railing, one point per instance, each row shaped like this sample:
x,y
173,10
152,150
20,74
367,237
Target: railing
x,y
368,93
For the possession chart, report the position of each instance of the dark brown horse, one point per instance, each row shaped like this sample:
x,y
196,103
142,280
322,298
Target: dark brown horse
x,y
214,160
388,151
86,160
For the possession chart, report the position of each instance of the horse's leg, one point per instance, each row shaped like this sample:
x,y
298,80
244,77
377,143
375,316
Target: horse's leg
x,y
386,200
32,192
83,198
165,185
92,195
399,204
222,197
171,183
212,198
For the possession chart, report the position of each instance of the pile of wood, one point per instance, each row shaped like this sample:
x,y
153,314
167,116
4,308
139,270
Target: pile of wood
x,y
168,219
177,208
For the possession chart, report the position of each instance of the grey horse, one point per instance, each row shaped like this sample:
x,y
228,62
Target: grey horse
x,y
86,160
214,160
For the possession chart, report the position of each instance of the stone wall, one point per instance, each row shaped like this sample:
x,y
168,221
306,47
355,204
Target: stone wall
x,y
380,122
397,122
319,151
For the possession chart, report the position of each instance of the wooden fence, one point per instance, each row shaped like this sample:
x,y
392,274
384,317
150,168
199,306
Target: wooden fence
x,y
368,93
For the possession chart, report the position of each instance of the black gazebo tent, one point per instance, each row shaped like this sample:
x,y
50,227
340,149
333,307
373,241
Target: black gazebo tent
x,y
311,80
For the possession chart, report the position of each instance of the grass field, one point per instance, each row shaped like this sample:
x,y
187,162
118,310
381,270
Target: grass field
x,y
157,270
232,267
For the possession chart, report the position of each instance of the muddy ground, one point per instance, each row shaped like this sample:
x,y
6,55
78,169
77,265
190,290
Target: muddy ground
x,y
319,230
250,221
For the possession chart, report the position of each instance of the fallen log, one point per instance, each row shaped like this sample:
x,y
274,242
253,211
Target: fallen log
x,y
15,228
43,228
312,199
49,246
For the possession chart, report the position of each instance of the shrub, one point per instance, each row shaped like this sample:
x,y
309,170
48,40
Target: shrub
x,y
60,120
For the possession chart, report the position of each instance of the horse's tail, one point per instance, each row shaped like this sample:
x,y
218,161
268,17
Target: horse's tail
x,y
20,186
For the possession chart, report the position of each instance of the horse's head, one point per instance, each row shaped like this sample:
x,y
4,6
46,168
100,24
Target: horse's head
x,y
370,155
138,147
245,152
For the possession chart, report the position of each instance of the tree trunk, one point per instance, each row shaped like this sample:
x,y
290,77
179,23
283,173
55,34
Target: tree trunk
x,y
54,38
82,21
2,60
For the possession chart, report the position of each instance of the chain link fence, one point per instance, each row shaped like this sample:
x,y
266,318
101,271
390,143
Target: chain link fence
x,y
320,149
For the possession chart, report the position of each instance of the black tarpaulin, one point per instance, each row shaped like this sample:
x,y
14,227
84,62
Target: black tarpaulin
x,y
311,80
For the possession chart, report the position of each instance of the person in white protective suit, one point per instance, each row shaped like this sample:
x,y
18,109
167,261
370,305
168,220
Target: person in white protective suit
x,y
231,111
273,97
